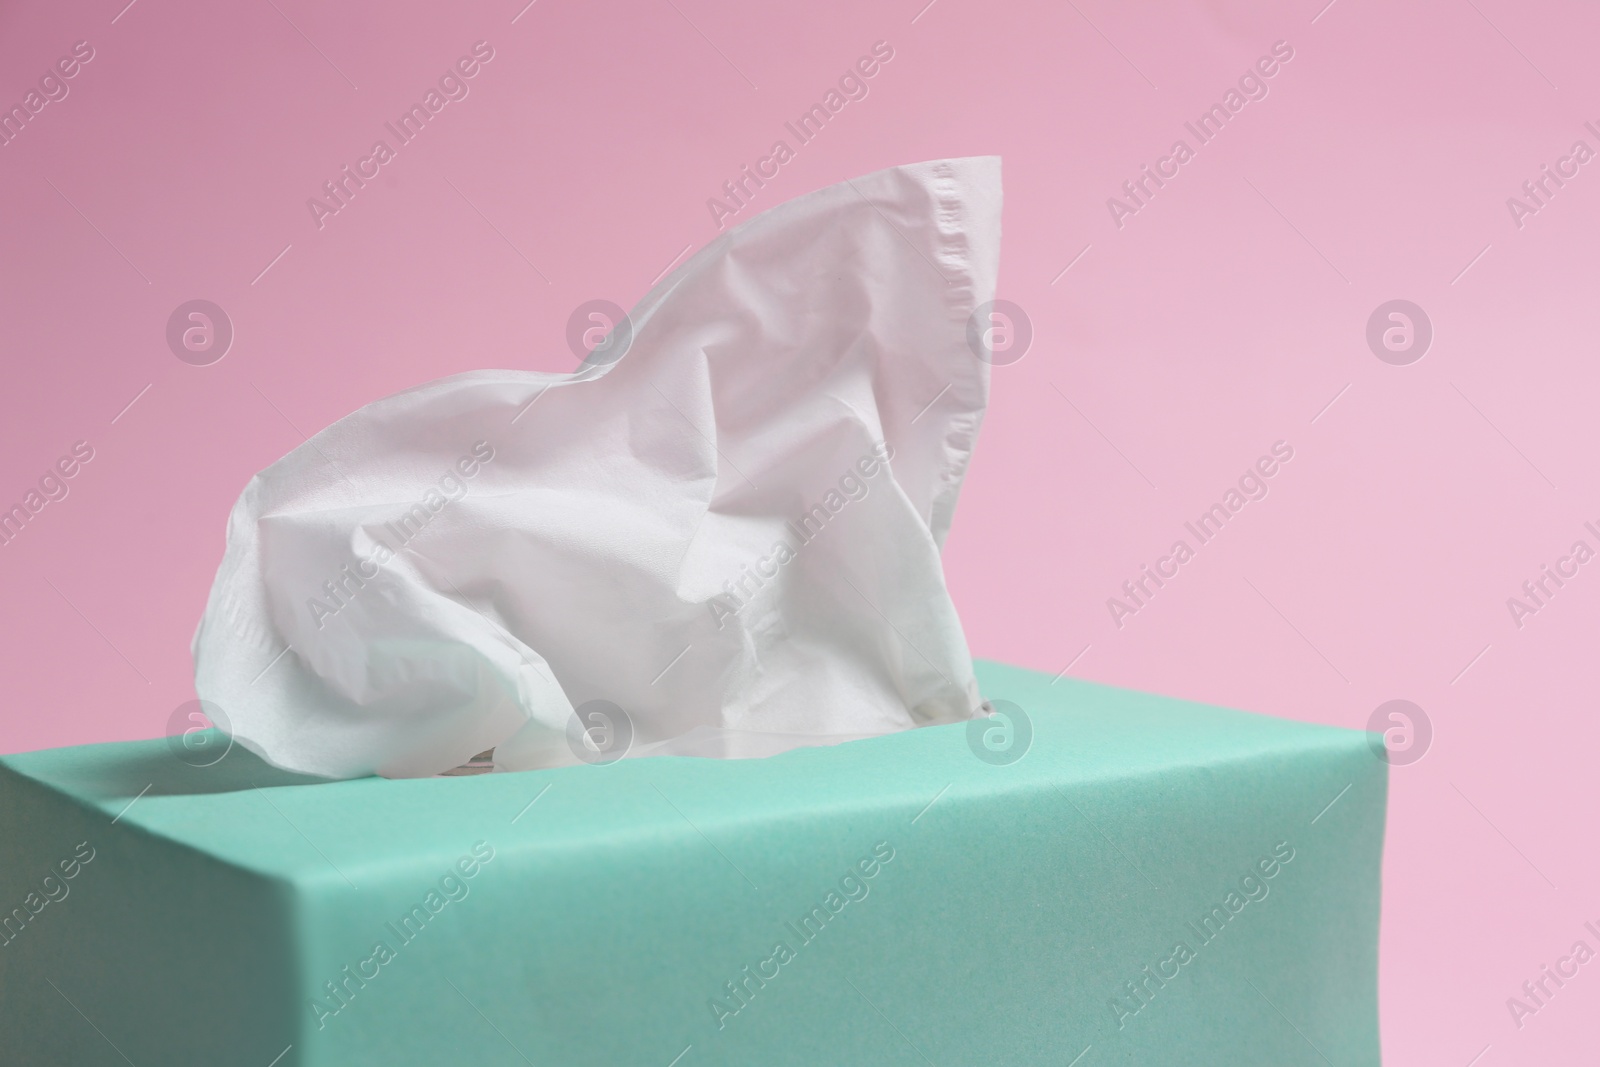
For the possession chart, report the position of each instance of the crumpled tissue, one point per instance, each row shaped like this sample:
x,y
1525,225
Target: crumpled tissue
x,y
719,536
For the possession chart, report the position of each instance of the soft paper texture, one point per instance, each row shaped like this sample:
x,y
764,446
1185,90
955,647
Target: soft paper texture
x,y
731,533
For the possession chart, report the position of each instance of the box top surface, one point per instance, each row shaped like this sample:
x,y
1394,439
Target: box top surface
x,y
247,813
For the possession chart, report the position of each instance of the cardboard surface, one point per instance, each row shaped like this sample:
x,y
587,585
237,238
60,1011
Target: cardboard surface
x,y
1016,913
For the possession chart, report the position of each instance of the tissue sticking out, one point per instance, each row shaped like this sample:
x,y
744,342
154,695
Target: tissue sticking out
x,y
723,540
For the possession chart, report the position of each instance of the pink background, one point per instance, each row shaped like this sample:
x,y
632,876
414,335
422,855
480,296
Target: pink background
x,y
1226,315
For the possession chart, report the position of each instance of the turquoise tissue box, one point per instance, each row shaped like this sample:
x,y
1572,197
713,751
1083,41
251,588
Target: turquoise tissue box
x,y
1106,877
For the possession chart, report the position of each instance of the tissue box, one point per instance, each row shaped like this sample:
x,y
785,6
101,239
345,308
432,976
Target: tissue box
x,y
1151,881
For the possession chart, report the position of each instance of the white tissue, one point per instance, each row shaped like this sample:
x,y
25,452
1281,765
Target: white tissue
x,y
457,567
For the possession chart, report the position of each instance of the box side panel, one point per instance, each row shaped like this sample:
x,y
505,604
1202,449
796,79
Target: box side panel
x,y
1011,914
151,952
